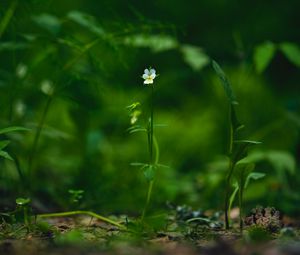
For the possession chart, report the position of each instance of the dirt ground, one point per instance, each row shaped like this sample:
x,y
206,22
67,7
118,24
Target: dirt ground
x,y
83,235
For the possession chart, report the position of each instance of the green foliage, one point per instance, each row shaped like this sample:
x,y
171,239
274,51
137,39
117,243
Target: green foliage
x,y
48,22
240,149
12,46
263,55
157,43
257,235
23,201
94,52
76,195
265,52
242,174
225,82
23,207
238,168
281,161
87,21
291,51
195,57
5,143
12,129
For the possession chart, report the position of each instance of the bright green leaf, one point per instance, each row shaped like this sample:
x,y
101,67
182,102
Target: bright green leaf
x,y
157,43
48,22
241,173
225,82
4,154
240,150
22,201
195,57
12,129
254,176
282,161
86,21
291,51
3,144
263,55
233,195
149,173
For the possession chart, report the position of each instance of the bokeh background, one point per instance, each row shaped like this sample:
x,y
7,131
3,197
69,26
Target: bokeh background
x,y
68,69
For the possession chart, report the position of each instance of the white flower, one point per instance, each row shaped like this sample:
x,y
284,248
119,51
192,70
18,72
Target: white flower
x,y
149,76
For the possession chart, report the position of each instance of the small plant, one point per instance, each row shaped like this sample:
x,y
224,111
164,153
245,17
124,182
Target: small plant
x,y
243,173
153,149
23,205
239,167
5,143
6,155
75,195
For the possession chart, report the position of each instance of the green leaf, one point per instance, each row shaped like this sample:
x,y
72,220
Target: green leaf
x,y
4,154
241,173
12,129
195,57
70,44
263,55
22,201
149,172
233,195
137,130
291,51
240,149
13,46
86,21
225,82
249,142
142,165
48,22
281,161
157,43
254,176
3,144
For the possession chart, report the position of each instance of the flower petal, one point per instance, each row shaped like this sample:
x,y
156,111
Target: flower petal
x,y
146,71
145,76
152,76
148,81
152,71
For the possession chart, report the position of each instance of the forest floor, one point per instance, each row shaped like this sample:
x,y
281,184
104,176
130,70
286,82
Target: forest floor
x,y
86,235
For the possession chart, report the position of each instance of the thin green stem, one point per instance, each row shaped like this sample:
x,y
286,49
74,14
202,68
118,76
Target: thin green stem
x,y
37,136
230,170
151,159
92,214
241,207
156,147
227,194
151,125
150,187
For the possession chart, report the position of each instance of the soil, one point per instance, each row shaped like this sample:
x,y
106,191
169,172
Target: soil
x,y
85,235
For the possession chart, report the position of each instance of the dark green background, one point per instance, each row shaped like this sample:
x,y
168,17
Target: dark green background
x,y
84,143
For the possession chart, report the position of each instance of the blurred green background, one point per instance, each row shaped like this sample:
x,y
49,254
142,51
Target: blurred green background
x,y
68,69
